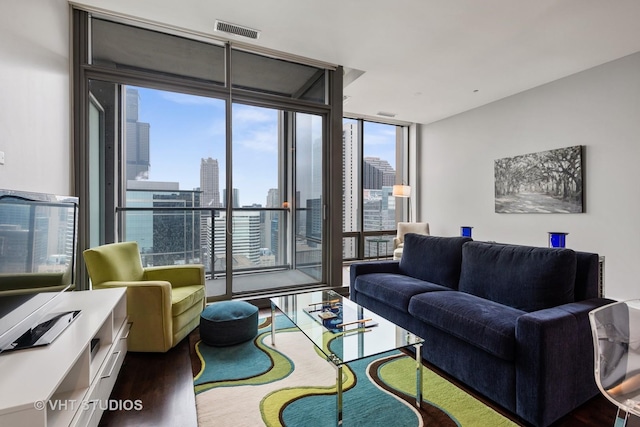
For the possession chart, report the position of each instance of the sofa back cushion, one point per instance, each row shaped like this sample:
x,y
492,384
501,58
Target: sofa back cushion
x,y
433,259
523,277
587,276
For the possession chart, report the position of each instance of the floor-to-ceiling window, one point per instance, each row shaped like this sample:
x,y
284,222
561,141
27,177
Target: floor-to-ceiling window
x,y
184,134
173,155
308,195
374,158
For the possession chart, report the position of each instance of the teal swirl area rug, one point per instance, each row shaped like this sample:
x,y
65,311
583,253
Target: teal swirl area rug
x,y
256,384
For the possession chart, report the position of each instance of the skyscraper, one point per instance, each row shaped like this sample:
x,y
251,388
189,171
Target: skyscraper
x,y
272,221
210,182
164,237
246,238
235,198
378,173
137,139
371,178
350,172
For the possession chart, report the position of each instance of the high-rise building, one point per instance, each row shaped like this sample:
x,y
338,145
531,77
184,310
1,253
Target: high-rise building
x,y
308,170
350,180
164,237
378,173
210,183
271,222
137,139
235,198
246,238
379,209
314,222
371,178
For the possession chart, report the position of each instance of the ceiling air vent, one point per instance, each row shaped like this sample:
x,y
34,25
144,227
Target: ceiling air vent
x,y
386,114
238,30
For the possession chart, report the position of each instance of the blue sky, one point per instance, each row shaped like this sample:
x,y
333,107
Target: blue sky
x,y
186,128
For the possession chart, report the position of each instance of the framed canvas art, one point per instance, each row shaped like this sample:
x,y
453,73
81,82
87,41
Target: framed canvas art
x,y
544,182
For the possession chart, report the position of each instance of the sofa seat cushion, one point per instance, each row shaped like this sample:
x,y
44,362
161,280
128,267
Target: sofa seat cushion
x,y
482,323
393,289
523,277
433,259
184,297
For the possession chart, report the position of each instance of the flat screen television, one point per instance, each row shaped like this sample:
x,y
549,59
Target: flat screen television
x,y
38,248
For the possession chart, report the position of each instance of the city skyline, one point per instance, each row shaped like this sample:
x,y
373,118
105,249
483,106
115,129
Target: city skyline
x,y
258,134
184,129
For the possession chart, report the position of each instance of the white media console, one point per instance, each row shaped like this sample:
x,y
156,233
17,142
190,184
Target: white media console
x,y
68,382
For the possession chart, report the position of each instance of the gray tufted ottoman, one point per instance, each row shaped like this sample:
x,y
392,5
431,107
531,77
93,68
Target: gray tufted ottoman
x,y
228,322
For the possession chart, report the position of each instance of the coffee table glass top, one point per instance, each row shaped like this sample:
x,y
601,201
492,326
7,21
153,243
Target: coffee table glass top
x,y
340,328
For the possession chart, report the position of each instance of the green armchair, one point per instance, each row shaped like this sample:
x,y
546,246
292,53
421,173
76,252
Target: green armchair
x,y
163,303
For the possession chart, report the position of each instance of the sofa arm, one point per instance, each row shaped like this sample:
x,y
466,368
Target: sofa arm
x,y
149,311
554,361
177,275
361,268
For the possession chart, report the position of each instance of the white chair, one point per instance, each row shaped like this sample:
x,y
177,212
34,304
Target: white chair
x,y
616,341
404,228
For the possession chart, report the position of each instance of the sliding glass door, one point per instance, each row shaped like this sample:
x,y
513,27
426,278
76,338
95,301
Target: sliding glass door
x,y
276,199
309,195
204,153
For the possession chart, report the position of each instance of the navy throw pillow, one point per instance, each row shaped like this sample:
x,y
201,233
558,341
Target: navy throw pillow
x,y
432,258
523,277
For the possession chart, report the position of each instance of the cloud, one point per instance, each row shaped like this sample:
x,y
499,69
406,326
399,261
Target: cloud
x,y
255,128
186,99
217,128
263,140
380,136
247,114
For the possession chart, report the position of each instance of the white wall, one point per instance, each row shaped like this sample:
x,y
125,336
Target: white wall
x,y
598,108
34,96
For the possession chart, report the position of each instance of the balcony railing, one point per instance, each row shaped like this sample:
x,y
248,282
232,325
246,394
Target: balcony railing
x,y
261,242
187,235
363,245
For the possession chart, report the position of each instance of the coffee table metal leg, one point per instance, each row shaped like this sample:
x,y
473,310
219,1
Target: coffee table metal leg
x,y
273,324
338,395
418,375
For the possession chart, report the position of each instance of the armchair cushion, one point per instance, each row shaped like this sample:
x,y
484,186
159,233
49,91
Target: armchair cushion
x,y
184,297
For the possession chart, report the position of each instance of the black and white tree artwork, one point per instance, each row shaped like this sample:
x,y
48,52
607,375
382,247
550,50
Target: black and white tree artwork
x,y
543,182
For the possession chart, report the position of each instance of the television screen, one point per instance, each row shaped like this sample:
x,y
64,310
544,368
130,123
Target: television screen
x,y
38,237
38,246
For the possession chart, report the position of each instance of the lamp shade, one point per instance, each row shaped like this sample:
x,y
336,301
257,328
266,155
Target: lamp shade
x,y
401,191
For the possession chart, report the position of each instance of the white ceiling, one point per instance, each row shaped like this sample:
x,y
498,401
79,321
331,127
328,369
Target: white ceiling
x,y
423,60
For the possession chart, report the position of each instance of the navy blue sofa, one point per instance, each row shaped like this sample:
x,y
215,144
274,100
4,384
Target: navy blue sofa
x,y
509,321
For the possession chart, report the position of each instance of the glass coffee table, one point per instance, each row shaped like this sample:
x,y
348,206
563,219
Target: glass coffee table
x,y
345,332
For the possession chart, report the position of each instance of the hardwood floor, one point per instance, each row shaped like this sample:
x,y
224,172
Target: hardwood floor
x,y
164,384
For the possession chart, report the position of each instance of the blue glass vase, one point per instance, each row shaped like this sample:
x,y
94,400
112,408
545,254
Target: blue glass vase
x,y
465,231
557,239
